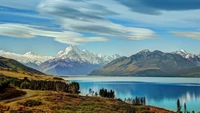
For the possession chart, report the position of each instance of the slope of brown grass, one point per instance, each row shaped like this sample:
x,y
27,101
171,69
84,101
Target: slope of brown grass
x,y
59,102
30,76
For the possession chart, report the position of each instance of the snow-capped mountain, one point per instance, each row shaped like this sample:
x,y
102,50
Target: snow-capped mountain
x,y
195,58
72,61
145,63
28,57
75,54
184,54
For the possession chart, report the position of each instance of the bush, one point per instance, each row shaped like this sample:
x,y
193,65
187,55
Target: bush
x,y
31,103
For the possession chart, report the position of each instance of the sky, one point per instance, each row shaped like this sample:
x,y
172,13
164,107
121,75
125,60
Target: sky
x,y
109,27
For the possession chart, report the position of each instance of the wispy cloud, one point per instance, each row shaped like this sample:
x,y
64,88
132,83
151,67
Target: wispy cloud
x,y
188,34
30,31
85,16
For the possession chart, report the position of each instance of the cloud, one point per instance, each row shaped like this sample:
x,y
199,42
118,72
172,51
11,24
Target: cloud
x,y
30,31
194,35
85,16
154,7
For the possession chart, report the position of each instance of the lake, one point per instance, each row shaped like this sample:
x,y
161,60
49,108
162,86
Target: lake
x,y
159,91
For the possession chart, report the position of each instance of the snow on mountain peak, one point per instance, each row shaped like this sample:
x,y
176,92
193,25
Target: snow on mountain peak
x,y
183,51
29,53
72,48
75,54
184,54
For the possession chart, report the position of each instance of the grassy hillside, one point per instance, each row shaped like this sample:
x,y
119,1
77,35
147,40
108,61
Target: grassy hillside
x,y
16,66
12,68
59,102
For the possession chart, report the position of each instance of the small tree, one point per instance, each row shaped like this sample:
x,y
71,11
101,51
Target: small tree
x,y
96,94
185,108
90,91
178,106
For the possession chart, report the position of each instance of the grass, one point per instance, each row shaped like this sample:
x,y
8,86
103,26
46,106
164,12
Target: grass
x,y
59,102
30,76
11,93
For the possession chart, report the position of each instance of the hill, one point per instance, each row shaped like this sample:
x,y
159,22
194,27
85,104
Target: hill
x,y
13,68
146,63
14,65
60,102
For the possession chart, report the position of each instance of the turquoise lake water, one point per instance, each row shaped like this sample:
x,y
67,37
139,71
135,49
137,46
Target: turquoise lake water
x,y
161,92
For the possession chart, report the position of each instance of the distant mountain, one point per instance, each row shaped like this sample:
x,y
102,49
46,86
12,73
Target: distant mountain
x,y
29,59
13,65
146,63
195,58
73,61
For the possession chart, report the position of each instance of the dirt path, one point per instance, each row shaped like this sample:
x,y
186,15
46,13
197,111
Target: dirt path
x,y
29,93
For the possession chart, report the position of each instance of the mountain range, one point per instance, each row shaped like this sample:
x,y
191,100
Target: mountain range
x,y
71,61
153,63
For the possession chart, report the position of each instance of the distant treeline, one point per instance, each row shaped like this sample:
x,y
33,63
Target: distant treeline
x,y
40,85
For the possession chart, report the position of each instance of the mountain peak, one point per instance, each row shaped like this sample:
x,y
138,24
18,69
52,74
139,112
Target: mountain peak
x,y
29,53
73,53
145,51
72,48
183,51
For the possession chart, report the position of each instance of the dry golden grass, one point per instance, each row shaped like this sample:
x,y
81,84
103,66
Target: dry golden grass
x,y
59,102
30,76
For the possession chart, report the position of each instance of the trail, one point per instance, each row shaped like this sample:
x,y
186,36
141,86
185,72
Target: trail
x,y
29,93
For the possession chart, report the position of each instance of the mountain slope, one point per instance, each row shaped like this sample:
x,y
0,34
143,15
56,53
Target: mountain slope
x,y
73,61
146,63
190,72
13,65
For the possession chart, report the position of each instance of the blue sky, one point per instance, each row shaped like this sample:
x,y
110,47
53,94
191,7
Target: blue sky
x,y
101,26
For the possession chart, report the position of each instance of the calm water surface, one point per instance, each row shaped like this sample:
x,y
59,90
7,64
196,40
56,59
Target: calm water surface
x,y
161,92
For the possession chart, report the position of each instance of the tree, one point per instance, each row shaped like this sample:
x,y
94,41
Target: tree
x,y
129,100
178,106
105,93
96,94
90,91
185,108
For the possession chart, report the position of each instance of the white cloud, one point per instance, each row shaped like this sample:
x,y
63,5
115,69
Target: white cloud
x,y
30,31
85,16
194,35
